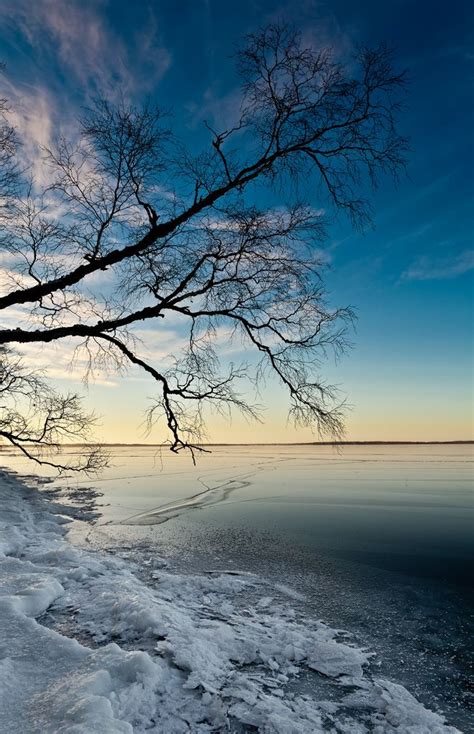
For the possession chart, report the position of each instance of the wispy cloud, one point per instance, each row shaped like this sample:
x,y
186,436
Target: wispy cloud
x,y
320,30
82,40
33,114
61,362
460,51
429,268
321,26
221,111
77,38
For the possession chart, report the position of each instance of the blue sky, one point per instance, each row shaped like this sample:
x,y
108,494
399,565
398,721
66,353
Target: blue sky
x,y
409,278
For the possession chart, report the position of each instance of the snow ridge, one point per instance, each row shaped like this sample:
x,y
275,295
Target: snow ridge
x,y
91,643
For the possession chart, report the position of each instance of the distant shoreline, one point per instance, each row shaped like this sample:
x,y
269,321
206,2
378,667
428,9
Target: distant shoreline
x,y
296,443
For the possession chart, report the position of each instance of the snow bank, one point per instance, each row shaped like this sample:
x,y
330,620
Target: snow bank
x,y
93,644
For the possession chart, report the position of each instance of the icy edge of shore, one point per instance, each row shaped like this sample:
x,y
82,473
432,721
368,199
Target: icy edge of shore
x,y
180,653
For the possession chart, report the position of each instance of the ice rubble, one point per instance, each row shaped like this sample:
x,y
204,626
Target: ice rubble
x,y
170,652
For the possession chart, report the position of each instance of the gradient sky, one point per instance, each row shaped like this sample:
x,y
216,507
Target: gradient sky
x,y
409,279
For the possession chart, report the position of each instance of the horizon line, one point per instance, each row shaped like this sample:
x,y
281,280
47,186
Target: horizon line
x,y
280,443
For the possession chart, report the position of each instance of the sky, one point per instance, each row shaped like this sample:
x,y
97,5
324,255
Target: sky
x,y
409,277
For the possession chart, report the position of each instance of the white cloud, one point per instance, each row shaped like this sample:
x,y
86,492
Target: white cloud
x,y
60,362
32,113
443,268
84,42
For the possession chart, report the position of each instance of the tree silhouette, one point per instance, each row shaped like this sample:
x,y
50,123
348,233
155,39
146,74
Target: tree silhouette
x,y
175,233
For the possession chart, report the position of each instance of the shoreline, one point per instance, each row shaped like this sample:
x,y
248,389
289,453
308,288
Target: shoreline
x,y
461,442
172,652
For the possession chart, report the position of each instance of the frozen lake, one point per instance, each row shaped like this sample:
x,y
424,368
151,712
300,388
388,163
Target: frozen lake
x,y
374,539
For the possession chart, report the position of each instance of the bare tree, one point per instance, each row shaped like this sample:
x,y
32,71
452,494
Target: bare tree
x,y
34,418
177,234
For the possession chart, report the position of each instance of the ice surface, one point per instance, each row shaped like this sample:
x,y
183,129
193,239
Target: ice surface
x,y
93,643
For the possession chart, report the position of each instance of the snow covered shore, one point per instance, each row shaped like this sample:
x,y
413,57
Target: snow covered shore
x,y
92,642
